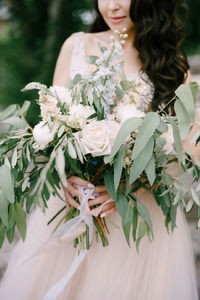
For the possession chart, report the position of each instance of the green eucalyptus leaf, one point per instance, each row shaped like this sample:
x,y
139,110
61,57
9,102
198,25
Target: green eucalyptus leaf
x,y
194,89
141,161
14,158
162,127
126,213
173,213
121,204
141,233
119,93
127,127
3,209
189,206
71,83
195,197
6,183
135,222
126,84
109,183
143,211
20,219
2,235
16,122
71,150
92,59
60,166
10,234
127,221
118,165
177,139
183,119
186,97
10,110
78,151
159,144
102,48
61,131
177,197
23,110
150,170
146,130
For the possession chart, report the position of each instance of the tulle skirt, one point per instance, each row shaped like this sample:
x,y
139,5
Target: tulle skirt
x,y
163,269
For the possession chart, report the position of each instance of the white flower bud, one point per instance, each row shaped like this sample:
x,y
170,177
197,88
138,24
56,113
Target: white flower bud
x,y
116,31
125,36
122,42
124,29
71,150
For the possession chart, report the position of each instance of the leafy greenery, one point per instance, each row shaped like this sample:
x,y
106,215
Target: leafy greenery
x,y
30,41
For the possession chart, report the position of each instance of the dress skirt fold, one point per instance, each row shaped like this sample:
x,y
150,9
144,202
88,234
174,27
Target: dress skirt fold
x,y
163,269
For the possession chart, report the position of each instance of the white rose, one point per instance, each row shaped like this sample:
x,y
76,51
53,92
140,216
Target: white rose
x,y
168,136
78,115
63,94
124,112
97,137
43,135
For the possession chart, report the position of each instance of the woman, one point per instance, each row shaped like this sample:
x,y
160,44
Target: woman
x,y
163,269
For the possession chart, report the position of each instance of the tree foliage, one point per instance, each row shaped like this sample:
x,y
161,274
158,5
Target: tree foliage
x,y
36,31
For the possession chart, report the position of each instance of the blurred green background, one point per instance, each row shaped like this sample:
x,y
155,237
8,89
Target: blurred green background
x,y
32,32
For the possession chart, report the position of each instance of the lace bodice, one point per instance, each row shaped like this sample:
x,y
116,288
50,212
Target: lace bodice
x,y
79,65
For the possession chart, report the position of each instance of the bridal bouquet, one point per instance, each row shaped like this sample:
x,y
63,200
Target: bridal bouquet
x,y
94,129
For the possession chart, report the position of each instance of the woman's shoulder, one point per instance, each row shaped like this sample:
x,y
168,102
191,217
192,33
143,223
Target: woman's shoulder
x,y
88,37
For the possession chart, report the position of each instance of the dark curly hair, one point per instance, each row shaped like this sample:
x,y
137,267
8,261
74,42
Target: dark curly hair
x,y
159,33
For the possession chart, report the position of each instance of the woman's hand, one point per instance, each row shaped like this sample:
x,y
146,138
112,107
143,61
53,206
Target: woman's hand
x,y
102,196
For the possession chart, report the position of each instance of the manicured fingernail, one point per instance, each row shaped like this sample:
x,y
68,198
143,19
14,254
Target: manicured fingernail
x,y
79,207
96,194
102,215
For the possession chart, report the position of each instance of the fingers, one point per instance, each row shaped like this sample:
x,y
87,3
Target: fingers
x,y
108,212
99,200
73,190
100,189
71,201
78,180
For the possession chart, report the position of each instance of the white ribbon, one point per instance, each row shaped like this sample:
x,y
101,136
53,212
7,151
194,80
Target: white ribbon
x,y
57,288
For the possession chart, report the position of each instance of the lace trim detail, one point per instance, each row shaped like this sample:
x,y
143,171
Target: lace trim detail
x,y
144,88
78,64
146,91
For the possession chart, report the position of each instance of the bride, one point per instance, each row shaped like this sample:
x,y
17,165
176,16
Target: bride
x,y
164,269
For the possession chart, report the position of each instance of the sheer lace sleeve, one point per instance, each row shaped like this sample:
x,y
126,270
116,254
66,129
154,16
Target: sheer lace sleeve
x,y
78,63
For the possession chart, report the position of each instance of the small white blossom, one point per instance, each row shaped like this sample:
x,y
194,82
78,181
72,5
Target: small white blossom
x,y
62,93
48,106
34,86
78,115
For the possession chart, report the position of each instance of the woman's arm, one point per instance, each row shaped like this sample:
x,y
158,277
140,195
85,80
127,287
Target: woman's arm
x,y
61,73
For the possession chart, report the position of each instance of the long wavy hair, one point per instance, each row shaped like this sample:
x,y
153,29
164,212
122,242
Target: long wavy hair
x,y
159,33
